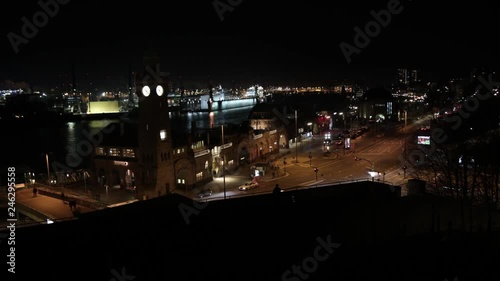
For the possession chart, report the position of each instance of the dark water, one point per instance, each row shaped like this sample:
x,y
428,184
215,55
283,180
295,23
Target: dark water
x,y
24,145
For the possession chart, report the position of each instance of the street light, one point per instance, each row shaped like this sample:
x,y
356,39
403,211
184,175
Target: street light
x,y
373,174
85,180
359,159
284,163
48,170
223,164
316,171
310,159
296,139
372,171
343,118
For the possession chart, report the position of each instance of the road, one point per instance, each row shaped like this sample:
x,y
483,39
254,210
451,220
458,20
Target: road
x,y
383,151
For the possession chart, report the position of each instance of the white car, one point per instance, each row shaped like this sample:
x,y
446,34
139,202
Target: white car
x,y
248,185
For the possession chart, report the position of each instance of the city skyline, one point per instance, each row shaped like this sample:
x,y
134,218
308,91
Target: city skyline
x,y
290,44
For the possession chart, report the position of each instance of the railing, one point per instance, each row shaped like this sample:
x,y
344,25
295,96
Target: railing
x,y
87,201
295,188
30,223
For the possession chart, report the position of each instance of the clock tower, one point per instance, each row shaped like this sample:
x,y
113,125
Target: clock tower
x,y
156,169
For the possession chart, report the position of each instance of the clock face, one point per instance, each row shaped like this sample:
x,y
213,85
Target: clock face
x,y
159,90
146,91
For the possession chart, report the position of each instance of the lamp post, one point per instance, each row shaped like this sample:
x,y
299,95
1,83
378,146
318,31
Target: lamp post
x,y
85,180
310,159
296,139
223,164
284,163
316,171
343,119
372,172
48,170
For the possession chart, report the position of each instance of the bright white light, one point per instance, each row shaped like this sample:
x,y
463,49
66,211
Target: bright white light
x,y
373,174
159,90
163,135
50,221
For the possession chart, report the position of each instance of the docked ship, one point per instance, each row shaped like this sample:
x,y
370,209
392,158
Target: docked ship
x,y
219,99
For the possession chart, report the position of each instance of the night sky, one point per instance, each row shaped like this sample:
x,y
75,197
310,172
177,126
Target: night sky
x,y
292,42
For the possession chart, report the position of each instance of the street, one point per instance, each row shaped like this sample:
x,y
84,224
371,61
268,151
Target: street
x,y
383,153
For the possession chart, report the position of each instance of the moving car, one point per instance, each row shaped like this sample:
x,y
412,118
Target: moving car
x,y
248,185
205,193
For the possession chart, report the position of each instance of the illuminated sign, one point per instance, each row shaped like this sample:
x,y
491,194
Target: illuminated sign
x,y
163,135
224,146
201,153
425,140
120,163
347,143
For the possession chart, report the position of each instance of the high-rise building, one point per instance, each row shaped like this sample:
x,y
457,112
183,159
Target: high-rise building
x,y
407,76
414,76
403,75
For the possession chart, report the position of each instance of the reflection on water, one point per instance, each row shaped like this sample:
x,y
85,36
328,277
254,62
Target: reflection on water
x,y
67,143
183,121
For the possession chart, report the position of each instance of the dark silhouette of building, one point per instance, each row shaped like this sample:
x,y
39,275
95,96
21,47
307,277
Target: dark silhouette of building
x,y
378,104
359,231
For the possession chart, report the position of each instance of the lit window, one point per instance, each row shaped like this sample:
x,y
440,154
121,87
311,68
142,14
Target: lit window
x,y
128,152
199,176
206,164
163,135
114,152
99,151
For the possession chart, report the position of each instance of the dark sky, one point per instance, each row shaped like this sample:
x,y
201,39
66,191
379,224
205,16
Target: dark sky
x,y
258,41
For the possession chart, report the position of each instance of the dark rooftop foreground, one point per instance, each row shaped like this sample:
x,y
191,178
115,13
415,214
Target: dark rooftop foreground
x,y
380,236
